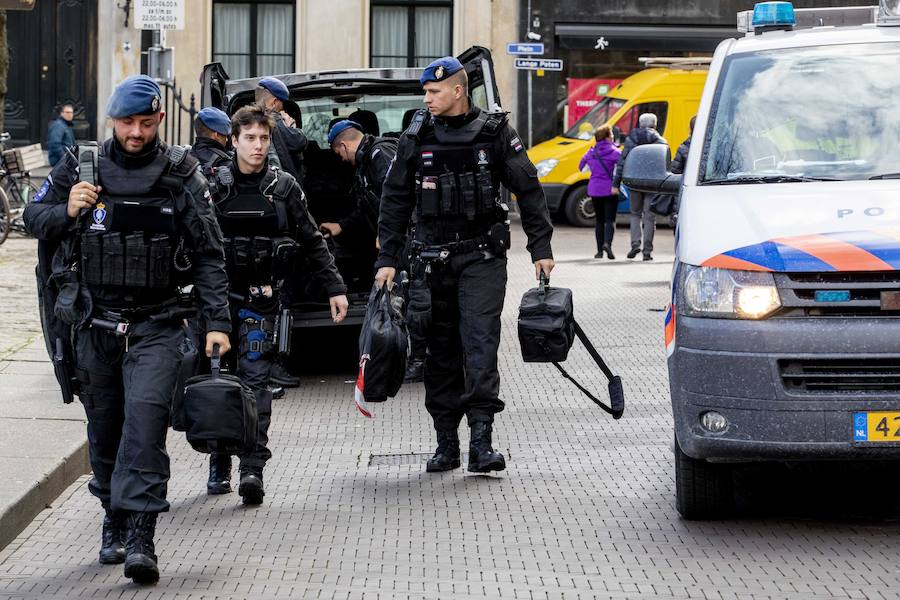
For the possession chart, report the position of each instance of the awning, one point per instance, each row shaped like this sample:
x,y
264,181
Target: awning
x,y
662,38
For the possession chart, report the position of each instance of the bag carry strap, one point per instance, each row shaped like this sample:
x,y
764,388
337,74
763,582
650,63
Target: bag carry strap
x,y
215,362
616,392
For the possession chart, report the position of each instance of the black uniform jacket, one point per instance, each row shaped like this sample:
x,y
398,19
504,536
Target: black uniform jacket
x,y
303,229
46,219
398,198
210,153
373,160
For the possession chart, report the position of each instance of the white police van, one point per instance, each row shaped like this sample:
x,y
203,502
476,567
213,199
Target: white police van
x,y
783,331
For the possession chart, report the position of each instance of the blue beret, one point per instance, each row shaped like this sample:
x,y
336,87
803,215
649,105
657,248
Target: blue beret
x,y
136,95
340,127
276,87
215,119
440,69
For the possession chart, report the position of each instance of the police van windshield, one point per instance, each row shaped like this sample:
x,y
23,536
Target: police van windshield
x,y
806,114
381,114
584,128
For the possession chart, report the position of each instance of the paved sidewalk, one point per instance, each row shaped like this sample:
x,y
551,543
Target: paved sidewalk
x,y
43,446
586,509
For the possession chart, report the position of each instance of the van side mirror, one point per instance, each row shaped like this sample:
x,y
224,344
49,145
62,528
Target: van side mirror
x,y
646,170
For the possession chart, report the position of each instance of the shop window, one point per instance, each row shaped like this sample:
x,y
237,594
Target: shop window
x,y
253,39
410,33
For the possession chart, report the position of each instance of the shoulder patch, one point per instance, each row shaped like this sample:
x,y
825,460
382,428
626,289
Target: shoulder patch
x,y
516,144
41,193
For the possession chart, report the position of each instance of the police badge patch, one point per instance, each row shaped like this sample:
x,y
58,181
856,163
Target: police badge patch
x,y
99,215
482,157
439,73
39,195
516,144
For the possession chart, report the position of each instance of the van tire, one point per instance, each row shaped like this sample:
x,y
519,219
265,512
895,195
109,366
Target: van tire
x,y
578,207
703,490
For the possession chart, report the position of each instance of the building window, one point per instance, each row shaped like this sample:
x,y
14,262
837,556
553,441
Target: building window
x,y
252,39
410,33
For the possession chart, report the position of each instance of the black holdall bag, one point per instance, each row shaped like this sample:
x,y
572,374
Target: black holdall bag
x,y
219,412
190,363
383,348
547,330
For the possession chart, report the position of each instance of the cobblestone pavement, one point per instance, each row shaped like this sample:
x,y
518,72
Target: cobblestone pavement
x,y
20,323
585,510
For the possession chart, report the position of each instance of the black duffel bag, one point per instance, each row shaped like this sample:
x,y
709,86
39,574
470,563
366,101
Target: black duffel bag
x,y
547,330
219,412
190,362
383,346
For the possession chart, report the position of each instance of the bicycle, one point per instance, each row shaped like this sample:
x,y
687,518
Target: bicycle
x,y
16,191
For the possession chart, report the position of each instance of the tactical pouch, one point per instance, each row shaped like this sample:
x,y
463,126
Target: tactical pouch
x,y
262,260
449,196
92,259
240,257
284,252
499,237
485,191
160,258
136,263
467,193
113,260
429,206
256,335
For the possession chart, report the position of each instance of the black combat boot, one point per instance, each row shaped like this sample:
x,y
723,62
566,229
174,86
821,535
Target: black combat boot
x,y
140,559
112,547
277,392
446,457
219,474
482,457
415,371
251,487
279,375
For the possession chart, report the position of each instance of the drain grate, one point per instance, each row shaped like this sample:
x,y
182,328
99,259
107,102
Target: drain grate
x,y
414,458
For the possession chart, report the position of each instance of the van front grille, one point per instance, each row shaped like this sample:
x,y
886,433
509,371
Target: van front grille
x,y
829,376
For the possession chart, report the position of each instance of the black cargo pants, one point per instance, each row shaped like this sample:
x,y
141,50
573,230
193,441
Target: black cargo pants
x,y
253,368
461,377
126,390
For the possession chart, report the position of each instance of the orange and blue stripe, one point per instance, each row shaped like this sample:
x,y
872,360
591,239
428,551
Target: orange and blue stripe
x,y
840,251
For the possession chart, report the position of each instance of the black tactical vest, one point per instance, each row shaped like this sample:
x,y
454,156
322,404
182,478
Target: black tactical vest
x,y
458,178
255,225
128,239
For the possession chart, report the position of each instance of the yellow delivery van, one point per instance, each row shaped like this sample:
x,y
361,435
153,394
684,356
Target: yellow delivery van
x,y
670,88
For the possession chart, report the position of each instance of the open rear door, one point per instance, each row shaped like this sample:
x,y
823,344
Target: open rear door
x,y
212,86
482,83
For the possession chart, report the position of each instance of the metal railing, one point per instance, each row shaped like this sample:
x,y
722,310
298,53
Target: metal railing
x,y
179,121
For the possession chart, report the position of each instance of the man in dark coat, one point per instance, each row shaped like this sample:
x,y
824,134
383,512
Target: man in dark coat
x,y
643,221
60,135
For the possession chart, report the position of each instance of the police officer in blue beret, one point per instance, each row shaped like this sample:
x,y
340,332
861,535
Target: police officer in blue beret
x,y
450,164
212,128
288,143
122,228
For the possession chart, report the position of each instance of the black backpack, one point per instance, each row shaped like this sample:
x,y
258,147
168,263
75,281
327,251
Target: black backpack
x,y
547,330
219,412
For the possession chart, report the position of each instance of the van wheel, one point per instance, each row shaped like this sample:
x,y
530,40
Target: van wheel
x,y
579,208
703,490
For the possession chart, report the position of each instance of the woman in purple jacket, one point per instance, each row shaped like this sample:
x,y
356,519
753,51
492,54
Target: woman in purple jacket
x,y
602,159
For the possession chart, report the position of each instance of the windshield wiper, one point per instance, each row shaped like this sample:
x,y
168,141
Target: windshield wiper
x,y
767,179
886,176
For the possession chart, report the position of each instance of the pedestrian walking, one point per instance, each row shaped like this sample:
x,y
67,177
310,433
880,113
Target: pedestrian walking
x,y
642,219
61,134
681,155
602,159
147,208
449,168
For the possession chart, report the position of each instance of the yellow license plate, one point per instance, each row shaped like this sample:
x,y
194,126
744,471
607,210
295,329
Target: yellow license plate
x,y
876,427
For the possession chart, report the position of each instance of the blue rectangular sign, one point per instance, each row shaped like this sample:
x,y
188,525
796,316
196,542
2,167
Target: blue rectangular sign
x,y
516,48
538,64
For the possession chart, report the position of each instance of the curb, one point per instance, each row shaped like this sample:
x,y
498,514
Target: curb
x,y
15,517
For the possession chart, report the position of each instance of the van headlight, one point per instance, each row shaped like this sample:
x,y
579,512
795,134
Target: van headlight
x,y
545,166
723,293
